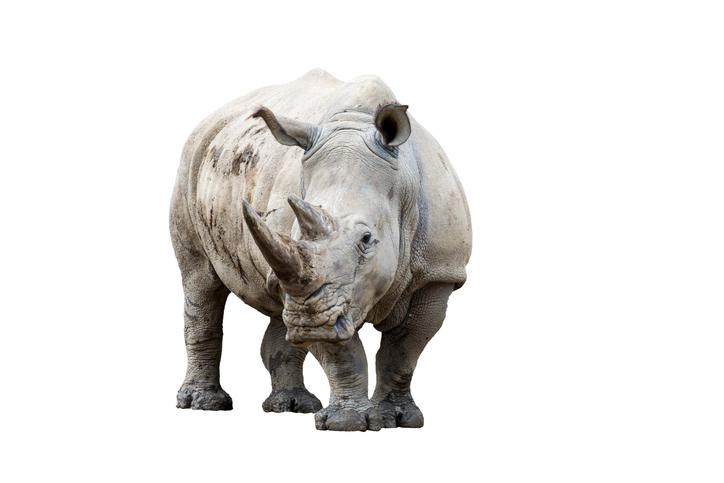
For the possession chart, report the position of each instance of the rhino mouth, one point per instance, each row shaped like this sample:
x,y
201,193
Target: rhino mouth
x,y
342,330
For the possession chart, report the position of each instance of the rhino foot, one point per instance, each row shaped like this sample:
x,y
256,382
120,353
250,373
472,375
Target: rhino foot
x,y
338,418
400,414
207,397
296,400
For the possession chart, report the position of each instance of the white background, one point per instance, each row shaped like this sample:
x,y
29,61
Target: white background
x,y
586,345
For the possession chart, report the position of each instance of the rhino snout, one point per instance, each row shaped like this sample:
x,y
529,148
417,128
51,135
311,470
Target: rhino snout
x,y
341,330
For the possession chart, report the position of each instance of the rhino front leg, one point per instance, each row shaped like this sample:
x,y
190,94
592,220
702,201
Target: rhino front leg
x,y
349,406
205,298
285,365
400,348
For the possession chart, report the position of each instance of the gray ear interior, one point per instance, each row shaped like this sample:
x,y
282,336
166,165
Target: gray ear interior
x,y
393,124
287,131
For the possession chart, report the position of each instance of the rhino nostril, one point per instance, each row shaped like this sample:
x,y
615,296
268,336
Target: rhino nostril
x,y
343,327
339,324
317,292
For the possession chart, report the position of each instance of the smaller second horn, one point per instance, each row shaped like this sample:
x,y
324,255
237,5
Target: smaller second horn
x,y
313,222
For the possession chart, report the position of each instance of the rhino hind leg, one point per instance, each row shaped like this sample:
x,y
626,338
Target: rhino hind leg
x,y
285,365
400,348
204,299
203,315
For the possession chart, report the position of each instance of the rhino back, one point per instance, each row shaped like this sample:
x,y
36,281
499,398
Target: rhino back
x,y
442,243
230,157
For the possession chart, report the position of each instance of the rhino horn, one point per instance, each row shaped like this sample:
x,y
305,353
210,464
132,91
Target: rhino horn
x,y
281,252
314,223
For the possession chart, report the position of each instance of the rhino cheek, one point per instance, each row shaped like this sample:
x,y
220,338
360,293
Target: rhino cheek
x,y
383,275
367,293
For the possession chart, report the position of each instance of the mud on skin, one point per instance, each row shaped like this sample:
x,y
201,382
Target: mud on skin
x,y
323,205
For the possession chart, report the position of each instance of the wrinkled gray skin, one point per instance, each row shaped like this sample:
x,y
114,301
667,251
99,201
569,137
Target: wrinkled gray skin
x,y
323,205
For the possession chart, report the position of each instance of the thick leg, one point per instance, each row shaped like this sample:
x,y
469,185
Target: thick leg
x,y
205,297
203,315
284,363
349,406
399,350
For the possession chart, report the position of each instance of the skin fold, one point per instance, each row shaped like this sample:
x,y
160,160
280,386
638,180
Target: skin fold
x,y
323,205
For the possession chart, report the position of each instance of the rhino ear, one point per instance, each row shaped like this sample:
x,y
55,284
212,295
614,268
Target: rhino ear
x,y
287,131
393,124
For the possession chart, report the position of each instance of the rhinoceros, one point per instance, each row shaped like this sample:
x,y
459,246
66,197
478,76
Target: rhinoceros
x,y
323,205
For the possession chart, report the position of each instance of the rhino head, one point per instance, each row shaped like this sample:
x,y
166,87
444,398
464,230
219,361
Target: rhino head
x,y
342,255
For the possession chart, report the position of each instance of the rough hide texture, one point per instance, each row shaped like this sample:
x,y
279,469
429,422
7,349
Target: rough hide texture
x,y
323,205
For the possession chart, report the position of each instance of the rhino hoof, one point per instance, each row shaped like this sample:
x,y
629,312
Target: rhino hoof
x,y
207,398
296,400
400,415
335,418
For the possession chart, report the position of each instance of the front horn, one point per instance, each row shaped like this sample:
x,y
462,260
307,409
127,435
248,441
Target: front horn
x,y
281,252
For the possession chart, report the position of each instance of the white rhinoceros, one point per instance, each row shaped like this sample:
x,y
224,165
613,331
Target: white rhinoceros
x,y
323,205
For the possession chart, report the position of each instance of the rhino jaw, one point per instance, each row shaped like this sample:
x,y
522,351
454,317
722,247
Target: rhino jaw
x,y
342,330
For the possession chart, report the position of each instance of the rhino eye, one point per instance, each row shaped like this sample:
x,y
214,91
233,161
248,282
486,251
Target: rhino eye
x,y
366,238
